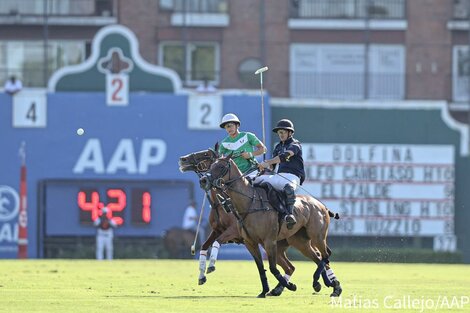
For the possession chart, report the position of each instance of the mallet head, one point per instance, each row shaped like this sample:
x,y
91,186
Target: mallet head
x,y
261,70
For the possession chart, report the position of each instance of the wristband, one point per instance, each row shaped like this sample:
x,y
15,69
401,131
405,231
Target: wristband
x,y
250,154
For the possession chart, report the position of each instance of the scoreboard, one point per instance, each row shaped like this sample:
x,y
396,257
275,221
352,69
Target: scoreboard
x,y
139,207
385,190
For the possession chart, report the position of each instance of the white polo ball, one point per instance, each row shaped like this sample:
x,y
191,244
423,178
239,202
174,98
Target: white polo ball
x,y
80,131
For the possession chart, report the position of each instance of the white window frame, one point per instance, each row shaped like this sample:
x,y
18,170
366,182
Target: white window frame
x,y
317,68
459,84
190,45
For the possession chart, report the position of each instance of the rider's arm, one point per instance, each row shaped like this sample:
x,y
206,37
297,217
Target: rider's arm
x,y
284,157
261,149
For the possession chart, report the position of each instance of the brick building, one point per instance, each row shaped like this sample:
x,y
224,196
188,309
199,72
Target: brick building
x,y
318,49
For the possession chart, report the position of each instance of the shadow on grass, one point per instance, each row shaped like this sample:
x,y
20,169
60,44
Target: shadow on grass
x,y
180,297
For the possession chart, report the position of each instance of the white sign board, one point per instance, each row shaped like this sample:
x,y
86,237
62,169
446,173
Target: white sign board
x,y
117,89
204,111
384,190
30,109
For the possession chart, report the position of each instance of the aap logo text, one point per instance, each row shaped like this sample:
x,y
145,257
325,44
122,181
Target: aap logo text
x,y
9,203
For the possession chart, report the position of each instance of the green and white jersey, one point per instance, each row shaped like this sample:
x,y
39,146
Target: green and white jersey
x,y
244,142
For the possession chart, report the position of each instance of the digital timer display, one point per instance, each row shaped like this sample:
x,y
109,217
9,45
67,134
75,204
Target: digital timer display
x,y
90,203
139,207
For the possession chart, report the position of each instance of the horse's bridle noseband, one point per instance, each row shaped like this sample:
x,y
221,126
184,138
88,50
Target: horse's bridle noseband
x,y
201,166
219,182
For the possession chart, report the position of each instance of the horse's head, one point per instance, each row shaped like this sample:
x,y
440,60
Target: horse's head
x,y
222,172
198,162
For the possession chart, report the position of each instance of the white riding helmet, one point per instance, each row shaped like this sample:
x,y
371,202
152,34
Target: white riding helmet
x,y
229,118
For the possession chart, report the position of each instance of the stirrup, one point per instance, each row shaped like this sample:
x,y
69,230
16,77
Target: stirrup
x,y
290,221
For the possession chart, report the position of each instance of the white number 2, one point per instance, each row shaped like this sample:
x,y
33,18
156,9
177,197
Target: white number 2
x,y
204,111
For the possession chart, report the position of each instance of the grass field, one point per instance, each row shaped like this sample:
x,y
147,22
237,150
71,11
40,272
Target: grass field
x,y
171,286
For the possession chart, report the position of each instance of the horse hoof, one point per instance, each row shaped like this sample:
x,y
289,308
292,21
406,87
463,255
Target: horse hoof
x,y
210,269
277,291
335,294
202,280
261,295
337,290
291,287
316,286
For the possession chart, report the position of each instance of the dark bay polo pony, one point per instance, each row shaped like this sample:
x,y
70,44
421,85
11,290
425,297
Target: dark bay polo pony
x,y
224,225
258,224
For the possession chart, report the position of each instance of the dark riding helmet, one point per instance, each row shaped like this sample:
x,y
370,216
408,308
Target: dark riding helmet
x,y
284,124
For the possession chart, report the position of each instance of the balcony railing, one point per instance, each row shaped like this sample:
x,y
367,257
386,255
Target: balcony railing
x,y
333,86
348,9
56,7
195,6
348,86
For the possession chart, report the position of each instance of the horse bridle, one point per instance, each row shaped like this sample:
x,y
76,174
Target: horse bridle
x,y
201,166
219,182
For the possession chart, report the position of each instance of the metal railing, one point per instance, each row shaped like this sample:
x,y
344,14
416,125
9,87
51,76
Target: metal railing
x,y
35,76
195,6
302,85
350,86
30,77
348,9
57,7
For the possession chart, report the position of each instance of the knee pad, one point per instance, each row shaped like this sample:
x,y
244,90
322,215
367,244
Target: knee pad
x,y
289,190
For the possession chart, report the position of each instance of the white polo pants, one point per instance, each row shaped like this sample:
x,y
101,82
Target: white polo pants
x,y
278,181
104,243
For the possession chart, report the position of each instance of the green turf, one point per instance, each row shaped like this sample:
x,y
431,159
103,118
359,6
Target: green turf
x,y
171,286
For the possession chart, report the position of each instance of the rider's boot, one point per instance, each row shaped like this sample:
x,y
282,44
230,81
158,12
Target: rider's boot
x,y
290,201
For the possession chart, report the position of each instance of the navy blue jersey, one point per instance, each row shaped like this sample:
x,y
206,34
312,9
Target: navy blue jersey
x,y
294,164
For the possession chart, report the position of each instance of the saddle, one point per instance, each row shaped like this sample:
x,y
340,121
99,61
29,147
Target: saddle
x,y
277,199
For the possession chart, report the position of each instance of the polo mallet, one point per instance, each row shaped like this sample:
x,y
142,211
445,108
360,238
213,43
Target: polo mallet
x,y
260,72
193,247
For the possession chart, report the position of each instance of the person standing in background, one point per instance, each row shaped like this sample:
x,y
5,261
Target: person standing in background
x,y
190,221
104,235
190,217
13,85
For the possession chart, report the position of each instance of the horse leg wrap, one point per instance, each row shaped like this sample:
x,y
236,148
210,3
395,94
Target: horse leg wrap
x,y
326,278
281,279
284,282
264,281
331,275
214,253
202,263
287,277
318,271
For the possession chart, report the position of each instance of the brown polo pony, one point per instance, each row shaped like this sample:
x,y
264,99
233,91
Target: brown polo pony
x,y
224,225
258,223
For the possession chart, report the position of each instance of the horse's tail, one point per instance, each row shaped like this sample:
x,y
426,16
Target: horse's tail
x,y
334,215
